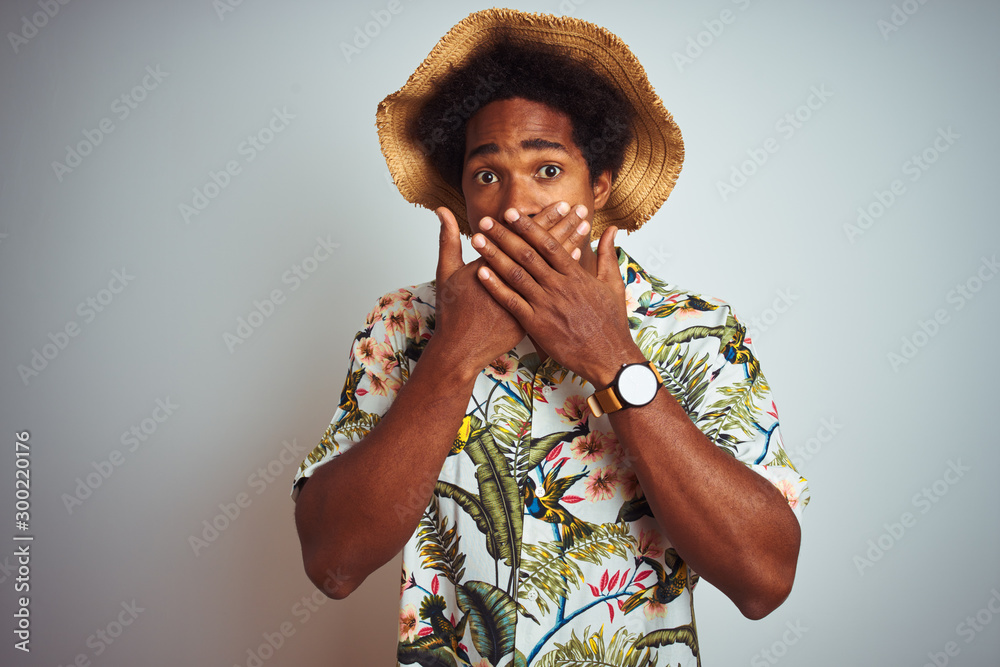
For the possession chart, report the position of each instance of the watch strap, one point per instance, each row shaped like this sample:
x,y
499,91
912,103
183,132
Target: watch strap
x,y
607,400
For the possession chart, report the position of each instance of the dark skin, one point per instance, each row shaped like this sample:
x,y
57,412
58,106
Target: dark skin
x,y
538,275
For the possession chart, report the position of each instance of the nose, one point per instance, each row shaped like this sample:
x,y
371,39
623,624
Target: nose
x,y
524,195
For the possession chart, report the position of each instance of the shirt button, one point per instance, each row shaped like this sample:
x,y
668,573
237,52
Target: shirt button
x,y
531,595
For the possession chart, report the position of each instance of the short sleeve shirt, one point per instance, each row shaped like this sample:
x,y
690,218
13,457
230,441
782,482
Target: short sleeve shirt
x,y
538,546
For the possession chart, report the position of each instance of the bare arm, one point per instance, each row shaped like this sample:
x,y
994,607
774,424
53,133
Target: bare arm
x,y
729,523
356,512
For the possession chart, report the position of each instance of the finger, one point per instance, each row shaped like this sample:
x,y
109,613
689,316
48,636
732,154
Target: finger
x,y
548,248
513,260
560,220
450,246
507,298
607,258
573,230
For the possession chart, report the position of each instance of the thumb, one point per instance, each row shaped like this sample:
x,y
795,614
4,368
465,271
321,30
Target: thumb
x,y
450,246
607,258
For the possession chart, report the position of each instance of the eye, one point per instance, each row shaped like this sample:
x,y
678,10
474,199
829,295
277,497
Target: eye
x,y
485,177
549,171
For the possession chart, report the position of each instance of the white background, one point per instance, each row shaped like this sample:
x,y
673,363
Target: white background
x,y
848,302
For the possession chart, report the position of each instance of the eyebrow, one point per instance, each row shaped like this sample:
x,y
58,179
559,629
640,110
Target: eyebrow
x,y
536,144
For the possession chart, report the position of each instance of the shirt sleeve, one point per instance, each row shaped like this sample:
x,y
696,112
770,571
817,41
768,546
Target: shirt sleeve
x,y
378,365
740,415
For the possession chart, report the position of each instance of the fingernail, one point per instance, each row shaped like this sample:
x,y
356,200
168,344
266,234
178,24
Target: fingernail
x,y
582,228
483,273
486,224
511,215
581,211
576,253
562,208
478,241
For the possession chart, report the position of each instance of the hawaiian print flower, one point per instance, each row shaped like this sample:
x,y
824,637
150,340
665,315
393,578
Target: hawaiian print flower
x,y
590,448
386,301
630,485
385,355
631,300
395,322
790,491
365,351
650,544
406,580
483,663
413,322
408,623
574,411
601,483
383,384
503,368
654,609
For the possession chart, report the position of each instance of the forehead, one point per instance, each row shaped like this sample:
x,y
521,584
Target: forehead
x,y
508,123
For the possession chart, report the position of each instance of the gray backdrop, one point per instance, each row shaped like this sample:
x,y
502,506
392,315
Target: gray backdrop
x,y
171,168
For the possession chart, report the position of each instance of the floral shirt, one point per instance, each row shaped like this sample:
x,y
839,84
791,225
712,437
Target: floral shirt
x,y
538,546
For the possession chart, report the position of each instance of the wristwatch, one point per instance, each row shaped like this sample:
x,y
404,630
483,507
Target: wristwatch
x,y
634,386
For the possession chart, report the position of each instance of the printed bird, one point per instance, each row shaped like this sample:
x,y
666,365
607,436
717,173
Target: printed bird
x,y
547,507
664,590
462,439
736,352
444,634
692,302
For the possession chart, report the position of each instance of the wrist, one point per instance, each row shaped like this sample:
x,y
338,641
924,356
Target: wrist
x,y
448,361
605,368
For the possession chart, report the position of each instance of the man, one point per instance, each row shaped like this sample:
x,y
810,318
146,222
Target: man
x,y
560,443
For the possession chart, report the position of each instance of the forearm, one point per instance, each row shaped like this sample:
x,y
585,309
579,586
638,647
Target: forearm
x,y
730,524
356,512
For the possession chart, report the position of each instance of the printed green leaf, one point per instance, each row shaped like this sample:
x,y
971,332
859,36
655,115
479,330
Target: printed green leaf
x,y
425,657
518,660
472,506
551,571
499,496
492,617
591,651
684,634
439,544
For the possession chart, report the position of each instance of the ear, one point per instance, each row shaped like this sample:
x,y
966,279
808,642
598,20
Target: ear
x,y
602,189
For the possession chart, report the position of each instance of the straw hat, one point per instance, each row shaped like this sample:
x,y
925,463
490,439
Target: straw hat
x,y
652,159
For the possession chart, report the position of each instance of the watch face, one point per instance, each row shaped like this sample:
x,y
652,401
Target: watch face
x,y
637,384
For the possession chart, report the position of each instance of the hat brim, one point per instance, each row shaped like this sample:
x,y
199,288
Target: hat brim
x,y
653,158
